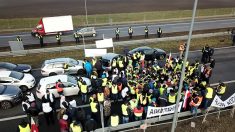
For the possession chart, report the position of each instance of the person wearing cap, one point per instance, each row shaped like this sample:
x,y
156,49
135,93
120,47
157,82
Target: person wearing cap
x,y
220,89
75,126
63,123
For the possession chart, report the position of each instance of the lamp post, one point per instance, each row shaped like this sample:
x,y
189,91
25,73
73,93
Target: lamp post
x,y
175,118
86,13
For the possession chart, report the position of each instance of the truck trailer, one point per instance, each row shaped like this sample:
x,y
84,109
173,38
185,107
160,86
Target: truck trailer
x,y
53,25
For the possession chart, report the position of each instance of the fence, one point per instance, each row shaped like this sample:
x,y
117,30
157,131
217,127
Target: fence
x,y
123,43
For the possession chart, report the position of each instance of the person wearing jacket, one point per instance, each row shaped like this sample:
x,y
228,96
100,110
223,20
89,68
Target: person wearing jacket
x,y
90,124
88,68
23,127
63,123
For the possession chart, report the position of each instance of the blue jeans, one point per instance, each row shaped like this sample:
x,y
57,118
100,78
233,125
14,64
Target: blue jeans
x,y
84,97
125,119
194,110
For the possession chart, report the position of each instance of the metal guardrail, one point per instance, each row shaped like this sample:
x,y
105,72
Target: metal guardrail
x,y
133,42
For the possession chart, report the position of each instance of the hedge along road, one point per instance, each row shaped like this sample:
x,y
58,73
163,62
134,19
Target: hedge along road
x,y
224,71
108,32
27,8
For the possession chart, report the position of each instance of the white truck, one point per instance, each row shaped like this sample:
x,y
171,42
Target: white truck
x,y
53,25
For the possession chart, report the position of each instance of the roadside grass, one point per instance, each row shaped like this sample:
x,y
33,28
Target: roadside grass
x,y
169,46
25,24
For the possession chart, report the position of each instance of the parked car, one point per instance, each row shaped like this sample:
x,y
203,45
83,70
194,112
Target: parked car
x,y
70,85
107,59
6,66
23,80
56,66
87,32
9,96
150,53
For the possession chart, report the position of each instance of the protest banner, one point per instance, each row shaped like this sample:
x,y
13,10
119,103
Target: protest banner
x,y
95,52
158,111
217,102
106,43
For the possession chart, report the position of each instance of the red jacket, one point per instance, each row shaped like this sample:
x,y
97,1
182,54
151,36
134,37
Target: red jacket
x,y
63,125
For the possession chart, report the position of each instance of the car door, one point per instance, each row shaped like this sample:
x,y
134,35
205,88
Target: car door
x,y
70,89
6,81
72,69
58,68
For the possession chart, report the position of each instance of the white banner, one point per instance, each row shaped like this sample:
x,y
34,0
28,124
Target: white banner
x,y
95,52
158,111
217,102
230,101
104,43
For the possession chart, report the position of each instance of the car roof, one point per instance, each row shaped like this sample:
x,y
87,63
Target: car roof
x,y
139,48
57,60
5,73
53,79
110,56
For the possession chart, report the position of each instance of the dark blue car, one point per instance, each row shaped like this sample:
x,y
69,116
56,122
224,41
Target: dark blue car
x,y
6,66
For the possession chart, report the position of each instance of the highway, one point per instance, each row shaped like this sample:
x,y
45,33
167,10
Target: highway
x,y
224,71
109,31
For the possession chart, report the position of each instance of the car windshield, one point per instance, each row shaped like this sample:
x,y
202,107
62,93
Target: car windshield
x,y
74,62
17,75
9,66
72,79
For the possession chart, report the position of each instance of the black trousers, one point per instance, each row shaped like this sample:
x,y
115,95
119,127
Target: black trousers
x,y
117,36
49,118
146,35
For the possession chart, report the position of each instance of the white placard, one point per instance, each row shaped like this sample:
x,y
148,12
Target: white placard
x,y
158,111
230,101
104,43
217,102
95,52
58,23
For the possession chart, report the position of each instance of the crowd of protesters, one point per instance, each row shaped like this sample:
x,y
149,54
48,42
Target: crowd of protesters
x,y
137,83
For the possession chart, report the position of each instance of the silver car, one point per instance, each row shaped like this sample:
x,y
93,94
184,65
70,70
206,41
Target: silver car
x,y
57,67
87,32
107,60
9,96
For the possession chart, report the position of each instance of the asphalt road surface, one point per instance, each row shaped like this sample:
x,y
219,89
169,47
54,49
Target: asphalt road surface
x,y
224,71
40,8
109,32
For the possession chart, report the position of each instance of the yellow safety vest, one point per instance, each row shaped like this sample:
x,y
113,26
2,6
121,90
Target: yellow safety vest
x,y
93,107
120,64
84,88
26,129
75,128
93,61
209,93
114,64
79,83
114,89
203,83
143,99
104,81
222,90
124,109
133,104
91,99
132,89
114,121
171,99
149,98
161,90
100,97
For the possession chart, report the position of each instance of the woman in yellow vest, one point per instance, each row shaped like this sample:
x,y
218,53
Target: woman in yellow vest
x,y
23,127
84,92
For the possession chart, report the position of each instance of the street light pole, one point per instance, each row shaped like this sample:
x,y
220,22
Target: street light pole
x,y
86,13
175,118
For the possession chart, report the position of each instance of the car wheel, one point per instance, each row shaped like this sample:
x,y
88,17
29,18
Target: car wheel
x,y
6,105
93,34
81,72
52,74
24,88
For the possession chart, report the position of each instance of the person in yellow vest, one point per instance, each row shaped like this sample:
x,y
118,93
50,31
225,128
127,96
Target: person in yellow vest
x,y
58,39
171,97
114,91
84,90
100,96
208,95
23,127
18,38
220,89
130,32
93,61
75,127
114,120
159,32
146,31
94,110
125,112
120,64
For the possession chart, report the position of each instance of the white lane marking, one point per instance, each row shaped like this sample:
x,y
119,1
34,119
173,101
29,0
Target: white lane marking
x,y
87,105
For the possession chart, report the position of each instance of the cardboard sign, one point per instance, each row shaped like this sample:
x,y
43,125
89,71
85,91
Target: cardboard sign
x,y
104,43
95,52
